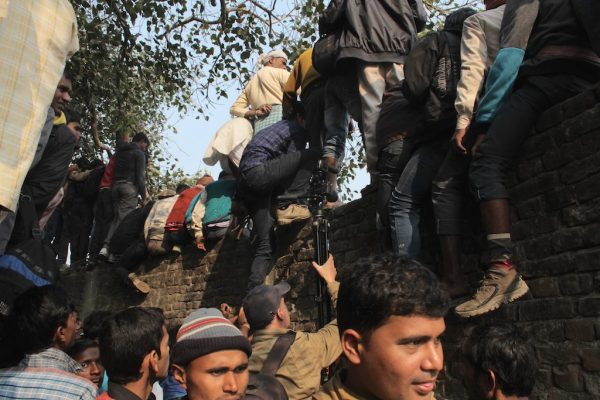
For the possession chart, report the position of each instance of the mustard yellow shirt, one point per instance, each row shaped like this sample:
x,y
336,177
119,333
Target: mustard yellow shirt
x,y
302,76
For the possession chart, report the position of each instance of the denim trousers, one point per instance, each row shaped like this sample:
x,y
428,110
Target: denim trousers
x,y
124,200
341,102
391,163
409,195
256,188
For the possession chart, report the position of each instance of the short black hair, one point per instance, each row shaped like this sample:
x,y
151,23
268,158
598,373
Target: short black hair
x,y
38,313
181,187
125,340
93,323
141,137
456,19
72,116
68,74
378,287
505,350
80,346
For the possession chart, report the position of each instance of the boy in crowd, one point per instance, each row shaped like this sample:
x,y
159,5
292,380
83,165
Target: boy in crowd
x,y
391,318
210,357
498,363
134,344
45,326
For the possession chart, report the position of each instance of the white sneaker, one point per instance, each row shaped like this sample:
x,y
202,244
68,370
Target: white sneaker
x,y
103,253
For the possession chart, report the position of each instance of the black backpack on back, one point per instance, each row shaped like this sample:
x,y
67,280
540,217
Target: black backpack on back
x,y
264,385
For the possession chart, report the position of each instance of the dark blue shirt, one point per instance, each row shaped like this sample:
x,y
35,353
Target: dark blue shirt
x,y
282,137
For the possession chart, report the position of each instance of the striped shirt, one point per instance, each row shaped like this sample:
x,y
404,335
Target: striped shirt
x,y
38,36
48,375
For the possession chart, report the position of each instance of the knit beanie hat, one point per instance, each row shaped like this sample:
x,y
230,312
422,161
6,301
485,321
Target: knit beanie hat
x,y
206,331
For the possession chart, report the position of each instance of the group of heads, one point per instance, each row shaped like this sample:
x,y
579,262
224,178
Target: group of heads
x,y
390,318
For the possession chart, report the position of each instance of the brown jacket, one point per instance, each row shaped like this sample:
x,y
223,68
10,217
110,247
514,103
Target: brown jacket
x,y
300,371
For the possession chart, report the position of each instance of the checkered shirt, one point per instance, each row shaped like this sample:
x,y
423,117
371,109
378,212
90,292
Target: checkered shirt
x,y
280,138
47,375
38,36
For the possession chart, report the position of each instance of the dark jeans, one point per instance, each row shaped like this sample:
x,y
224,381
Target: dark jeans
x,y
410,193
449,188
514,121
124,200
391,163
103,215
256,188
133,256
314,108
81,216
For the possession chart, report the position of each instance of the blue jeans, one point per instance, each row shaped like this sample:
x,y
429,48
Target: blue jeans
x,y
341,101
408,196
391,163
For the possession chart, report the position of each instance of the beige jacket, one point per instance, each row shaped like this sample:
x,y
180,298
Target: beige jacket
x,y
300,371
336,390
266,87
478,49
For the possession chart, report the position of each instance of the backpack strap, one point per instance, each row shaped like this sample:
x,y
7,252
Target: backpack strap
x,y
278,353
29,216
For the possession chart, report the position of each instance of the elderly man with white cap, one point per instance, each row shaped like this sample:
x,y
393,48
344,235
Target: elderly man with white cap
x,y
261,99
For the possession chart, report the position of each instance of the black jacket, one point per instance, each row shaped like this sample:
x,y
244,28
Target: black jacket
x,y
130,166
45,179
374,30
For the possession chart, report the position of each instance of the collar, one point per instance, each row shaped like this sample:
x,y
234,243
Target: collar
x,y
51,358
60,119
268,333
119,392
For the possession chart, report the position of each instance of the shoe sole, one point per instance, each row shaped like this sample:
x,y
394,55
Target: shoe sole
x,y
520,291
289,221
141,286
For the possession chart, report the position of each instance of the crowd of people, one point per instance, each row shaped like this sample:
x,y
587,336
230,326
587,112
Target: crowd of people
x,y
386,343
438,114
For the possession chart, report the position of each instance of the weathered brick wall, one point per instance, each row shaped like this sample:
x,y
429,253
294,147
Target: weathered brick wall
x,y
556,226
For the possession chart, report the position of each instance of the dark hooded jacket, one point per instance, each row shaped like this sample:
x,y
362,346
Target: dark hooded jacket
x,y
130,166
45,179
374,30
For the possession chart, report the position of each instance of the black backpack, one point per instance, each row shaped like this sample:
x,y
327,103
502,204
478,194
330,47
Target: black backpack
x,y
29,262
263,385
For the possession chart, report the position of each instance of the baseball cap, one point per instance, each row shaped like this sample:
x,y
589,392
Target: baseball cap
x,y
262,302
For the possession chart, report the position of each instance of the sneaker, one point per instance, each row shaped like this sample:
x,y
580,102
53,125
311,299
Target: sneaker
x,y
498,286
292,213
139,284
103,253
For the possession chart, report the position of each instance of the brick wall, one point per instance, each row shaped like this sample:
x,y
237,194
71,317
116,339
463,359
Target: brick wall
x,y
556,225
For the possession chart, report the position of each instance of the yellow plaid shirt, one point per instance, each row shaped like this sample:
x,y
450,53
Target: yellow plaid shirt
x,y
38,36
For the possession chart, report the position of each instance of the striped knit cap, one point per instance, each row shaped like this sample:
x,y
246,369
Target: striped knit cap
x,y
205,331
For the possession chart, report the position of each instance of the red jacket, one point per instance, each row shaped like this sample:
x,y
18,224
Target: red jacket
x,y
176,218
107,178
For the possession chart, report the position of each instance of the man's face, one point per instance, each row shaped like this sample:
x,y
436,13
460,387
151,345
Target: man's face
x,y
278,62
92,368
62,95
75,128
222,375
402,358
163,361
142,145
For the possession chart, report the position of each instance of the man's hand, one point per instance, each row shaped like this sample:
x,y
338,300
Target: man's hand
x,y
478,141
326,271
457,140
263,110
